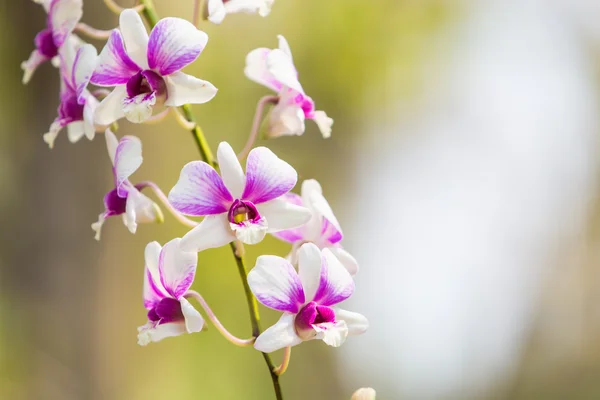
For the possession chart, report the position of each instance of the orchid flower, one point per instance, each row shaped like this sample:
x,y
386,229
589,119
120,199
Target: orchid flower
x,y
168,275
308,299
146,70
323,229
126,199
275,69
236,206
63,15
217,9
77,104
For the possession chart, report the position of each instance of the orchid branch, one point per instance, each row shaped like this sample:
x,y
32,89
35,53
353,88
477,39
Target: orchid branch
x,y
198,10
151,17
260,107
158,117
165,201
287,355
213,318
92,32
115,8
185,124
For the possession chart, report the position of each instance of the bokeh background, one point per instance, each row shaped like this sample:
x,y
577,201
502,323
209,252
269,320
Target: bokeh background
x,y
463,167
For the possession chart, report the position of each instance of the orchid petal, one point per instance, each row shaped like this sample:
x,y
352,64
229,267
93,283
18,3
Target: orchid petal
x,y
193,320
177,268
149,333
286,120
153,288
186,89
139,108
294,234
174,43
110,108
231,170
309,268
200,191
216,11
75,131
35,59
83,69
335,283
347,260
63,15
89,109
50,136
281,215
333,334
355,322
97,226
276,284
135,37
282,334
312,196
212,232
114,66
257,70
128,158
284,46
111,144
140,209
324,123
250,232
267,176
281,66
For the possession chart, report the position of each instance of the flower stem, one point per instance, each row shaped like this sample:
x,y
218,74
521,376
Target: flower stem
x,y
165,201
287,354
213,318
260,107
149,13
114,7
92,32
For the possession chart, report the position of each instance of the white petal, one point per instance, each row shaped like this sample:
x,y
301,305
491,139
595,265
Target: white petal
x,y
128,158
276,284
110,108
83,68
356,322
278,336
282,67
312,197
135,37
63,16
250,232
52,133
347,260
75,131
324,123
284,46
212,232
286,120
139,108
183,89
256,69
231,170
111,144
140,209
30,65
309,269
151,256
88,117
336,283
147,333
281,215
332,334
216,11
177,268
97,226
193,320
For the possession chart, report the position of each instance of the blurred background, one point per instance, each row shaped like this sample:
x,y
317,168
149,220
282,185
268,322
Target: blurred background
x,y
463,168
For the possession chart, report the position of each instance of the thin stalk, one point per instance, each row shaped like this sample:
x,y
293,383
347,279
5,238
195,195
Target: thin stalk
x,y
151,17
260,107
213,318
287,355
92,32
165,201
114,7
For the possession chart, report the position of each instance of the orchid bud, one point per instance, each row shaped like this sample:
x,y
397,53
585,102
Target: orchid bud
x,y
364,394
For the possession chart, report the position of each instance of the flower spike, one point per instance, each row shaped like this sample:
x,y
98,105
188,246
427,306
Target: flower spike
x,y
145,71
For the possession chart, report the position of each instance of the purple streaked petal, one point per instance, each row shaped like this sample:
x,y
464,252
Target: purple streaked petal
x,y
174,43
183,89
153,288
177,268
276,284
63,15
330,232
200,191
83,68
256,69
267,176
325,226
295,234
30,65
114,67
110,108
128,158
335,283
135,36
282,334
212,232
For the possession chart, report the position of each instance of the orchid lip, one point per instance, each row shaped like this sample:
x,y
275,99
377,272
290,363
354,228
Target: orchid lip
x,y
70,108
45,43
241,211
310,315
145,82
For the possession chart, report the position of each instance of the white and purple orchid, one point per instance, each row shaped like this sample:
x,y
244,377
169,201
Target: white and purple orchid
x,y
217,9
274,68
63,16
323,229
77,104
145,71
126,199
237,206
168,275
308,299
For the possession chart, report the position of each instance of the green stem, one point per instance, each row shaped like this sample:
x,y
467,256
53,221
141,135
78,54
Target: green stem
x,y
151,17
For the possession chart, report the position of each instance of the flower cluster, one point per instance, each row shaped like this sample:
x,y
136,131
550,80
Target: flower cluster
x,y
138,76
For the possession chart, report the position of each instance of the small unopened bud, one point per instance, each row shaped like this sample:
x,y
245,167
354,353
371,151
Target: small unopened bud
x,y
364,394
